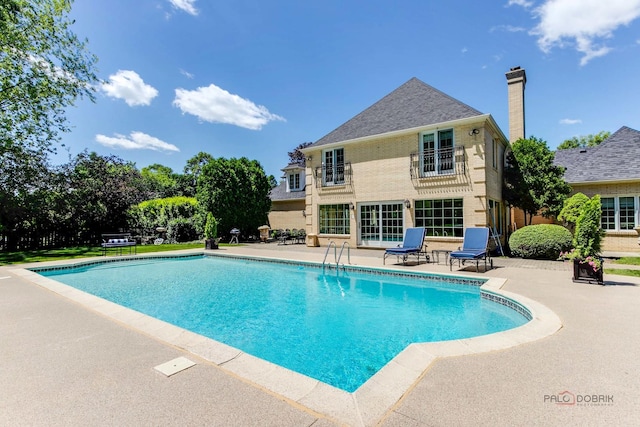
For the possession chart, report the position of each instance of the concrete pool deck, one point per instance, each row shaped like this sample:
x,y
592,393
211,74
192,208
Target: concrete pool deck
x,y
64,363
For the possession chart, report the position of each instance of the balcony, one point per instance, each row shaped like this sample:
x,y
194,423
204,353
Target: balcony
x,y
439,162
333,175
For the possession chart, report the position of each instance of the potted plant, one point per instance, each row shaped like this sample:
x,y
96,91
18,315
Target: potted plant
x,y
587,262
211,232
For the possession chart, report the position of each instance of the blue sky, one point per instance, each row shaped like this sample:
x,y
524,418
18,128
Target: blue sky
x,y
256,78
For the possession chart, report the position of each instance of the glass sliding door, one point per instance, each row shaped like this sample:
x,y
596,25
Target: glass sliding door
x,y
381,224
369,224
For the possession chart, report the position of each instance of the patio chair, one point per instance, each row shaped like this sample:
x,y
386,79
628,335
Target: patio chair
x,y
474,248
282,236
411,245
302,236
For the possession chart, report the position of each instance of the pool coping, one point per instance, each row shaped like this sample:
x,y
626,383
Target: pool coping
x,y
369,403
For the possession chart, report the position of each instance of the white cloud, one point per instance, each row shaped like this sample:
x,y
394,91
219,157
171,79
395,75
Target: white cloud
x,y
582,24
523,3
185,5
186,74
570,121
216,105
127,85
136,141
465,50
507,28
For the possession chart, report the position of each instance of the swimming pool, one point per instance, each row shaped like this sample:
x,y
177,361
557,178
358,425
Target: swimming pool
x,y
339,328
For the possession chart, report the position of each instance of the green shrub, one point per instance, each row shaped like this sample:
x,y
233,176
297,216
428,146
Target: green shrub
x,y
572,209
542,241
172,213
588,234
211,227
181,230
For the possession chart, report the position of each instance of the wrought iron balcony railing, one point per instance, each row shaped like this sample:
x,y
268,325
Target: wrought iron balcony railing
x,y
333,175
448,161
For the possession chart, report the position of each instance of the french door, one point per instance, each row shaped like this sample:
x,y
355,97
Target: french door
x,y
380,224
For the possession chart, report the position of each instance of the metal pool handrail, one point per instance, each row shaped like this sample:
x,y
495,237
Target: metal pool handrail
x,y
348,254
335,250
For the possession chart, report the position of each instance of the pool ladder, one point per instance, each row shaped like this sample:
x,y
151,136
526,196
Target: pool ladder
x,y
337,257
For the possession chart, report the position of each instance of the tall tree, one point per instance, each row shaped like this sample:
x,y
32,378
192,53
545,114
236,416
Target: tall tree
x,y
532,182
101,191
189,180
296,156
161,181
584,141
236,192
44,68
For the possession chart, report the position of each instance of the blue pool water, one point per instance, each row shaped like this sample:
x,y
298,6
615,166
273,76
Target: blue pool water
x,y
337,328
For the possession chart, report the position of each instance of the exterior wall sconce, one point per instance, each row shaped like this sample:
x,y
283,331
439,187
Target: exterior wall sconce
x,y
407,204
304,213
351,206
309,158
474,131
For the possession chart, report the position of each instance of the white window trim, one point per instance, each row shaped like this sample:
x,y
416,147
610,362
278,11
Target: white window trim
x,y
334,166
437,148
347,224
437,235
289,176
380,242
616,208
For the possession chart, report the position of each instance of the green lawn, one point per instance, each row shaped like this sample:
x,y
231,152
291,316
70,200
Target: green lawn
x,y
622,272
627,260
83,252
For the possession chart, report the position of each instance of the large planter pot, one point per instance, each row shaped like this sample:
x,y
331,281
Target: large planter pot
x,y
584,272
210,244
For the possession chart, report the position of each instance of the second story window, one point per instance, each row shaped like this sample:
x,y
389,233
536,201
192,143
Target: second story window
x,y
496,152
437,155
333,167
294,182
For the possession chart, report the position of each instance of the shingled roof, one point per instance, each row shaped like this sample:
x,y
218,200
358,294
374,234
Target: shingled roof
x,y
617,158
280,193
412,105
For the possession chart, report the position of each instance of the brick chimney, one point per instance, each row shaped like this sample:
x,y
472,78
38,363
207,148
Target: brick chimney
x,y
516,80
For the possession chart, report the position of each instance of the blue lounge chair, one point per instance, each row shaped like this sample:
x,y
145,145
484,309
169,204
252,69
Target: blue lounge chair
x,y
411,245
474,248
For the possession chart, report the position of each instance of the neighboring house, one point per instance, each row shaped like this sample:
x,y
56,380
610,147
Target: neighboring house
x,y
612,170
288,199
416,158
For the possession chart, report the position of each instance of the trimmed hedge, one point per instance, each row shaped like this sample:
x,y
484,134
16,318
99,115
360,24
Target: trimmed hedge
x,y
542,241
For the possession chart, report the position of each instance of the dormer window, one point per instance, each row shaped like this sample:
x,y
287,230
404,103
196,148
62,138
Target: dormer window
x,y
294,177
294,182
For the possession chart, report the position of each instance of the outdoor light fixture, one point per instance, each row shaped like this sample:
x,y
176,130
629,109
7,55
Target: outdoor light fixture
x,y
407,204
474,131
304,213
351,206
309,158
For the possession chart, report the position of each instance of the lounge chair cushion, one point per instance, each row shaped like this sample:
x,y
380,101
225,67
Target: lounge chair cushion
x,y
468,253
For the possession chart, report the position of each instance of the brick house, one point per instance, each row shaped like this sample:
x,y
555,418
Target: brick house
x,y
602,170
417,157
